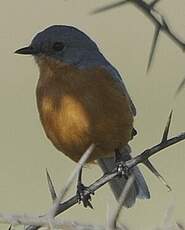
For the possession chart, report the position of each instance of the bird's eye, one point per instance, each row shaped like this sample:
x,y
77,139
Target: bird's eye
x,y
58,46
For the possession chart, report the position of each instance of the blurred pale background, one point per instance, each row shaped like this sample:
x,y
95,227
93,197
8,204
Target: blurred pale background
x,y
124,36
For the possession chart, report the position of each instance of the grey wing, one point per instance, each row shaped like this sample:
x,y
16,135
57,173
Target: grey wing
x,y
139,189
115,74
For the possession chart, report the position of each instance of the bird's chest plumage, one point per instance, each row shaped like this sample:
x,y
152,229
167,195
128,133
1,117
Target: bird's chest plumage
x,y
77,108
65,122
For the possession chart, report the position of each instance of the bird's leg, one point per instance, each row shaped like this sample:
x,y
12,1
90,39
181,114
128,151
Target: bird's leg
x,y
121,167
81,192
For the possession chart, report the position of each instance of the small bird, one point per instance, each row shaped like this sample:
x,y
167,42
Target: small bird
x,y
81,100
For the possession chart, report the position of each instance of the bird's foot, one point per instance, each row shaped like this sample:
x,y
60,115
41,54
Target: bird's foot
x,y
84,195
122,170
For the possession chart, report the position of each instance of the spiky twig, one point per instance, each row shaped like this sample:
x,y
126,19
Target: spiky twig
x,y
51,187
38,221
23,219
156,18
141,158
108,7
57,208
180,87
52,211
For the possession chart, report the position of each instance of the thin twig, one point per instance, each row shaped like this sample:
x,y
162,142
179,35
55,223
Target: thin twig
x,y
112,221
51,187
180,87
141,158
154,43
155,17
180,226
52,210
167,128
152,4
108,7
41,221
150,166
23,219
153,150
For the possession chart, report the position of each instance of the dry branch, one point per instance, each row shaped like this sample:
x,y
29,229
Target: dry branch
x,y
158,20
57,208
52,211
141,158
23,219
37,221
48,220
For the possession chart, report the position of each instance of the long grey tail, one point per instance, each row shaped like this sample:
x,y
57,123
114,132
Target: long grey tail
x,y
139,188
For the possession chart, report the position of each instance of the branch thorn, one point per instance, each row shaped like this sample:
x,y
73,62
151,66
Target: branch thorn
x,y
180,87
51,187
154,43
149,165
167,127
152,4
110,6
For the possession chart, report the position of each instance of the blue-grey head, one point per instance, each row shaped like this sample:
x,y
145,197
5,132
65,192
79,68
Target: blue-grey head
x,y
65,43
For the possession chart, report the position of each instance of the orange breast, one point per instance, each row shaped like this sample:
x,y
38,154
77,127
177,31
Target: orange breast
x,y
79,107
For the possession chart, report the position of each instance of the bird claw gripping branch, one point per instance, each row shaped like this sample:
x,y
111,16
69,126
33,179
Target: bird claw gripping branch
x,y
82,196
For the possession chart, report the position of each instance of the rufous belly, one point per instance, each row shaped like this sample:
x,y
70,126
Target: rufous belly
x,y
78,109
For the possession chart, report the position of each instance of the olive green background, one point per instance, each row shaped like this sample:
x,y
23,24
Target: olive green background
x,y
124,35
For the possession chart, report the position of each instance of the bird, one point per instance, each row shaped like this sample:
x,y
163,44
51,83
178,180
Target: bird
x,y
82,99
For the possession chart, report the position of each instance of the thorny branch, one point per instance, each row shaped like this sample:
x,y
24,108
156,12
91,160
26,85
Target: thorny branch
x,y
156,18
48,219
141,158
52,211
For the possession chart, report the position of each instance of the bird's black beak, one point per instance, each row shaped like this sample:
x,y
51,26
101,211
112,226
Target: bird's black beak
x,y
29,50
